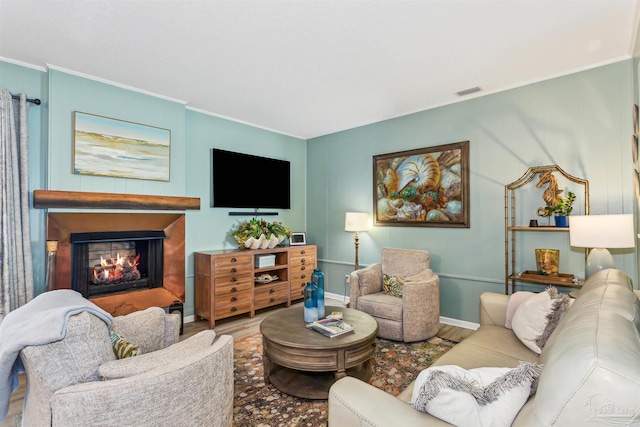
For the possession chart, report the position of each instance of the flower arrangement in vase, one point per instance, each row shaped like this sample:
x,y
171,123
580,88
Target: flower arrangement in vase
x,y
260,234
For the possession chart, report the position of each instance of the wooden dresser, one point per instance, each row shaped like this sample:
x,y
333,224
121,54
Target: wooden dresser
x,y
225,283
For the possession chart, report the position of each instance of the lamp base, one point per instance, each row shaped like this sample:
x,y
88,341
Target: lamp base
x,y
598,259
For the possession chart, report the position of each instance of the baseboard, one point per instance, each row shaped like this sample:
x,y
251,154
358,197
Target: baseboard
x,y
459,323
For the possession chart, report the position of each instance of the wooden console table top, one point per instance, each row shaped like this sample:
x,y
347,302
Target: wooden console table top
x,y
304,363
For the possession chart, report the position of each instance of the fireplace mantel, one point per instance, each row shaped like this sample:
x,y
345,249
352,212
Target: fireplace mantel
x,y
43,199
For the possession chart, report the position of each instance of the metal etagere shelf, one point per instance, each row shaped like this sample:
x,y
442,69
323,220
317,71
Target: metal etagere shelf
x,y
511,228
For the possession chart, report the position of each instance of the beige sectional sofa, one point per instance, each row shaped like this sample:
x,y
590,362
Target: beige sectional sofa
x,y
590,365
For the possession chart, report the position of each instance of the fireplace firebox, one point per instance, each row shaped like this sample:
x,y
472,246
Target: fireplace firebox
x,y
106,262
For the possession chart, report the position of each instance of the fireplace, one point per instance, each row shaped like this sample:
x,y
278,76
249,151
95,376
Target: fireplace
x,y
123,262
106,262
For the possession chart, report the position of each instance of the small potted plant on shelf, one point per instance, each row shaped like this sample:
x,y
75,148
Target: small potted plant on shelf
x,y
562,208
260,234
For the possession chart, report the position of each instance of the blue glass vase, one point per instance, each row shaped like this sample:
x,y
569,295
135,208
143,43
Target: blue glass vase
x,y
310,302
318,279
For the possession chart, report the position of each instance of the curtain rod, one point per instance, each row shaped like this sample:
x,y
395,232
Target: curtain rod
x,y
33,101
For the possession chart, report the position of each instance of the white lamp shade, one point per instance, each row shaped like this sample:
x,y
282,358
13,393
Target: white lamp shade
x,y
356,221
602,231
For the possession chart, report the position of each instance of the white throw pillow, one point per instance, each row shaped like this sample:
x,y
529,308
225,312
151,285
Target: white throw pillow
x,y
480,397
515,299
537,317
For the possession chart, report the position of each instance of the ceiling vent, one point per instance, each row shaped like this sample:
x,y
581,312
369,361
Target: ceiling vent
x,y
468,91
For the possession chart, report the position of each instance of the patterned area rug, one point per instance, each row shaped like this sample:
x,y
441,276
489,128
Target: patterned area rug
x,y
258,405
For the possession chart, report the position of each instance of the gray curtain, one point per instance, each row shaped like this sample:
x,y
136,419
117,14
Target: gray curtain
x,y
16,270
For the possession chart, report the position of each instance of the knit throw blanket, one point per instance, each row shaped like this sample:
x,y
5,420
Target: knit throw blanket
x,y
41,321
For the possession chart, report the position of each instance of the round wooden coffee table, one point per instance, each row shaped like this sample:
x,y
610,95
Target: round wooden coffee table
x,y
304,363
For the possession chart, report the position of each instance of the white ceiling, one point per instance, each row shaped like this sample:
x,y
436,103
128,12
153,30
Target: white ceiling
x,y
308,68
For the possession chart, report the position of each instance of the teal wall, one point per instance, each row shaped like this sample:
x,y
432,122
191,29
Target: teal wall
x,y
193,135
581,122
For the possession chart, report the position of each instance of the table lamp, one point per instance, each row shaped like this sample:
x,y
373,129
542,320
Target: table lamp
x,y
356,221
600,232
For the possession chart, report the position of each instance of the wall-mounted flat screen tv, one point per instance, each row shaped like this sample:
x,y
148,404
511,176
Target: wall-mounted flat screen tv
x,y
271,186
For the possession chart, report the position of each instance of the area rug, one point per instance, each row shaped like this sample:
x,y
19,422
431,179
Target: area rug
x,y
258,405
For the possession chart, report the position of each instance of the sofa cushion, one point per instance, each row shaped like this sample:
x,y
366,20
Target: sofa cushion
x,y
123,368
537,317
381,305
487,396
392,285
151,321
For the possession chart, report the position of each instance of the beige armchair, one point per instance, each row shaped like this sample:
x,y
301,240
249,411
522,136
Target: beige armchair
x,y
415,316
78,381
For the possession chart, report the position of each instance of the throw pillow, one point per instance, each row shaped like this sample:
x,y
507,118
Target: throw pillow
x,y
123,348
392,285
537,317
515,299
486,397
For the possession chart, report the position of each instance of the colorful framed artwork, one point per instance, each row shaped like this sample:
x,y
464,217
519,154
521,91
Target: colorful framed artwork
x,y
119,149
426,187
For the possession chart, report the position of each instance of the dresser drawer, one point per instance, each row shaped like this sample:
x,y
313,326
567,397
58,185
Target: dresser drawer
x,y
225,263
302,251
233,280
231,299
227,309
297,292
243,286
265,296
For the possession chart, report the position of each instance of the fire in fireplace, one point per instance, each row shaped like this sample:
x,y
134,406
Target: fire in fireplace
x,y
108,262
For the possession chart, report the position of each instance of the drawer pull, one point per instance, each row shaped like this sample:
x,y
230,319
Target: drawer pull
x,y
303,260
234,298
233,279
302,285
302,252
234,289
234,308
234,259
302,268
271,290
303,276
272,300
233,270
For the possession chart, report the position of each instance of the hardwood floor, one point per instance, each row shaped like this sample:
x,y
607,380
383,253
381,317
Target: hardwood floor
x,y
238,327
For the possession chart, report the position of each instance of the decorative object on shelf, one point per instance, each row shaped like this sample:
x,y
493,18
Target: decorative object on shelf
x,y
119,149
310,302
426,187
562,208
356,222
260,234
533,223
550,194
298,238
265,278
600,232
548,261
317,277
52,250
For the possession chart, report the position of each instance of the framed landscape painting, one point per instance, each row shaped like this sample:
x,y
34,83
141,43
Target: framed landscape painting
x,y
426,187
119,149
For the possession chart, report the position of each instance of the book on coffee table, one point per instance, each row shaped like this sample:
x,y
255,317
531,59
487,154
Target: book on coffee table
x,y
331,327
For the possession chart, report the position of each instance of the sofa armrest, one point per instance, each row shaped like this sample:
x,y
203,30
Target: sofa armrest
x,y
354,403
493,309
172,323
420,307
199,387
365,281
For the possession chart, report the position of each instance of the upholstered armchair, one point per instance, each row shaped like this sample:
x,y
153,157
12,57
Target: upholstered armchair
x,y
78,381
413,316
